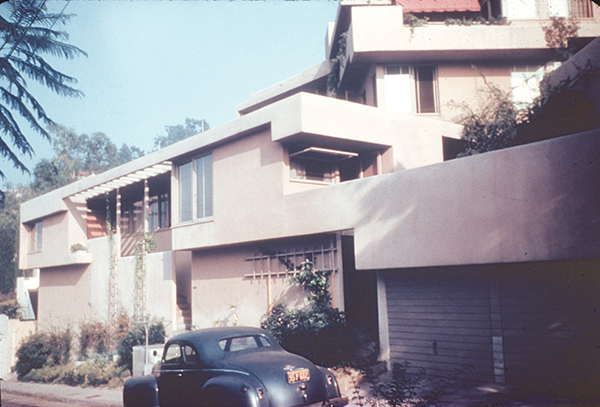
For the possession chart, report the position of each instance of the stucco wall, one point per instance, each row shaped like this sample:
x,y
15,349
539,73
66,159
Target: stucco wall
x,y
64,297
160,285
536,202
218,283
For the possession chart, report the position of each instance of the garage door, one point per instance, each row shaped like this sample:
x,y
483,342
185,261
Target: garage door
x,y
440,320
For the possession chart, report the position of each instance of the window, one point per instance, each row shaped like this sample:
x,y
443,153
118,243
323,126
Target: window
x,y
36,237
243,343
158,213
581,9
570,8
330,166
196,189
190,356
525,82
521,9
312,170
410,89
173,354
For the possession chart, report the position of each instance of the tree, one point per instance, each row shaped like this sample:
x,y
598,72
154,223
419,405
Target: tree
x,y
28,34
490,126
77,155
180,132
9,232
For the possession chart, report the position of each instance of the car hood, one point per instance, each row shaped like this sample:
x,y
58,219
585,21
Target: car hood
x,y
272,367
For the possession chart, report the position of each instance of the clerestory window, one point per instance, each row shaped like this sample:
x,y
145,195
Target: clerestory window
x,y
196,189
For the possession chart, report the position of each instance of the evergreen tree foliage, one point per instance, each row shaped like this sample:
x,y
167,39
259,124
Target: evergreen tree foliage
x,y
28,35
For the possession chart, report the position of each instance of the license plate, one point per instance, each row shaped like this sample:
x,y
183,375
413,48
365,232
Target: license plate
x,y
300,375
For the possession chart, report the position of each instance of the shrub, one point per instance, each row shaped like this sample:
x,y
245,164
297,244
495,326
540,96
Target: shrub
x,y
94,372
137,336
319,333
10,308
59,345
409,387
32,354
94,337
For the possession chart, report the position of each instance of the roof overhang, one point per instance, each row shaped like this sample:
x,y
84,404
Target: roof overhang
x,y
125,180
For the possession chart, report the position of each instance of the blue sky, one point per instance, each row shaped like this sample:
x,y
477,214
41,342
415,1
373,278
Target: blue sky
x,y
154,63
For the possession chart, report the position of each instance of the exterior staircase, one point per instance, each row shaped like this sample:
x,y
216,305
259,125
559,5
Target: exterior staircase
x,y
184,314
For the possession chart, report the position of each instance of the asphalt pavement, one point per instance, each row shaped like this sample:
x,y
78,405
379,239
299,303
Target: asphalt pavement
x,y
72,396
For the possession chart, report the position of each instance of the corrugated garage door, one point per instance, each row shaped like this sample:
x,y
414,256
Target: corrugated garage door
x,y
538,324
551,324
440,320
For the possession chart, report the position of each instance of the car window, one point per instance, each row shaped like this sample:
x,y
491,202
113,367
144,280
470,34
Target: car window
x,y
173,354
190,356
244,342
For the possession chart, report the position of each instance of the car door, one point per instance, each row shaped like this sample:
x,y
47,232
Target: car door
x,y
193,375
170,380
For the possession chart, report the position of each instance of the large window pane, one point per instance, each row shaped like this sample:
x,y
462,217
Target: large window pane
x,y
204,186
397,89
425,89
185,192
521,9
525,81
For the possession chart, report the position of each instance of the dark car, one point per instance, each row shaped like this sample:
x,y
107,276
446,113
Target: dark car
x,y
231,367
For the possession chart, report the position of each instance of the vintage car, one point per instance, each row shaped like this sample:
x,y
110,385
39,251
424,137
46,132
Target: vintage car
x,y
232,367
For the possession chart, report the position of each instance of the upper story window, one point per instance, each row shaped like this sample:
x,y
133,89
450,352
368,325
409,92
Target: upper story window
x,y
35,243
330,166
196,189
521,9
525,82
410,89
159,202
570,8
530,9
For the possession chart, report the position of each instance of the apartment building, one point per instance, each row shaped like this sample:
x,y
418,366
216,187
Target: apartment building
x,y
489,260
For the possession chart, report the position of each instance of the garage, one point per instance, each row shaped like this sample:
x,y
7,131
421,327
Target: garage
x,y
532,324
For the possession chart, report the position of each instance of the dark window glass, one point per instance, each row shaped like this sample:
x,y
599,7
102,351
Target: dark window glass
x,y
425,89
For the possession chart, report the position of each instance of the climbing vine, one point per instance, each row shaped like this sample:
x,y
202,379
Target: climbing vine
x,y
558,34
144,246
333,79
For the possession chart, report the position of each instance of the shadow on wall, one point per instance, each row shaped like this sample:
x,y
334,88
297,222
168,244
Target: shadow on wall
x,y
534,202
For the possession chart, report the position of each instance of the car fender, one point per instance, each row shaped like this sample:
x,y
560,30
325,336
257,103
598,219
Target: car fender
x,y
227,391
140,392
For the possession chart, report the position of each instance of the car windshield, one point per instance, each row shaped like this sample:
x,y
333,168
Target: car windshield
x,y
244,342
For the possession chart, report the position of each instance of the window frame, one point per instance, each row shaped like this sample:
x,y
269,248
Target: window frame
x,y
413,72
191,192
35,243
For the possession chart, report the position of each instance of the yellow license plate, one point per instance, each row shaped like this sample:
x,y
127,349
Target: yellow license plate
x,y
300,375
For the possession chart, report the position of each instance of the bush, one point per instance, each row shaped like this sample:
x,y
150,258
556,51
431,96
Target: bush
x,y
411,387
137,336
319,334
59,345
95,372
9,306
94,338
32,354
